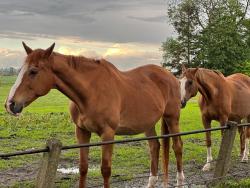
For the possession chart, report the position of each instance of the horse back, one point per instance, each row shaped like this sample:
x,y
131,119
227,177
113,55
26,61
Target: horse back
x,y
158,77
164,87
240,92
239,81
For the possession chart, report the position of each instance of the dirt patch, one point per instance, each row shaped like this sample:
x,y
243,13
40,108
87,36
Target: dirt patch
x,y
24,173
194,176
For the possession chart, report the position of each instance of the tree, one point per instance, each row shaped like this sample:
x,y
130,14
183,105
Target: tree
x,y
181,49
219,34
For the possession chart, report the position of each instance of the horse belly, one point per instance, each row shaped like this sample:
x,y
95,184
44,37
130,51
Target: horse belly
x,y
137,123
123,130
133,127
240,110
241,106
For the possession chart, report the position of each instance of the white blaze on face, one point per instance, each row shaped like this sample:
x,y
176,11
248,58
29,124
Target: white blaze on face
x,y
182,87
15,86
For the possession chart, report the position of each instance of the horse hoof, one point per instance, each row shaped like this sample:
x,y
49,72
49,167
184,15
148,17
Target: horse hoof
x,y
244,160
206,167
182,186
152,181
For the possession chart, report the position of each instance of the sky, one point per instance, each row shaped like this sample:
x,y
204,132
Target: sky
x,y
128,33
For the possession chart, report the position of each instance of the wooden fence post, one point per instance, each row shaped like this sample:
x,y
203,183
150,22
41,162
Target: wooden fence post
x,y
224,157
47,172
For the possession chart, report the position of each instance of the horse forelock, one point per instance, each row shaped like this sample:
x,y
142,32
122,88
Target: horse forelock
x,y
36,57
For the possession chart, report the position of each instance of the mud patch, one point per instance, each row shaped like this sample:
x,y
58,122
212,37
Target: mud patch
x,y
12,176
195,177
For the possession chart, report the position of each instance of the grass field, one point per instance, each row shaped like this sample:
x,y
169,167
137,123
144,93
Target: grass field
x,y
48,117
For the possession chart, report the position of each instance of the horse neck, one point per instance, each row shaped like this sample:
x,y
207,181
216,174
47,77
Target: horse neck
x,y
73,82
210,86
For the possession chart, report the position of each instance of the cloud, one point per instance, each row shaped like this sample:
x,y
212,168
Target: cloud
x,y
108,21
11,58
150,19
127,33
128,56
81,51
124,56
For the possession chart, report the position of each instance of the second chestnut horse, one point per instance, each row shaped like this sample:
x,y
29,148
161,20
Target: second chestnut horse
x,y
222,99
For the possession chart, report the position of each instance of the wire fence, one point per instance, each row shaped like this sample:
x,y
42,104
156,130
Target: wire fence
x,y
197,177
42,150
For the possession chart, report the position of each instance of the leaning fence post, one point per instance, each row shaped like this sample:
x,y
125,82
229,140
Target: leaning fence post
x,y
224,157
47,172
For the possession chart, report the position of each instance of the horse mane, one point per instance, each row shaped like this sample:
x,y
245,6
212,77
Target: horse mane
x,y
203,76
76,61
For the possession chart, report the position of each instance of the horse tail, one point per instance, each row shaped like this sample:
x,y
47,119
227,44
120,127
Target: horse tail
x,y
165,150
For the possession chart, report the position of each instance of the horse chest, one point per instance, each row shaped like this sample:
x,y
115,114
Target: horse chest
x,y
88,124
210,111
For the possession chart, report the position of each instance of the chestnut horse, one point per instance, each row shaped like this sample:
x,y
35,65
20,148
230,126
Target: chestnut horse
x,y
222,99
105,101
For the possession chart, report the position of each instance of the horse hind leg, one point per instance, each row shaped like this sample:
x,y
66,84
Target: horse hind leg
x,y
241,131
154,146
165,151
247,137
173,126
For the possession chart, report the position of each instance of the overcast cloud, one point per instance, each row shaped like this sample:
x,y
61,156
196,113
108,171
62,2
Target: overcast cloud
x,y
106,23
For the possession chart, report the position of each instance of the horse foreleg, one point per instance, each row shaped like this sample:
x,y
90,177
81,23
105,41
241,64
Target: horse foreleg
x,y
207,125
83,137
242,140
154,147
177,147
247,137
107,150
246,149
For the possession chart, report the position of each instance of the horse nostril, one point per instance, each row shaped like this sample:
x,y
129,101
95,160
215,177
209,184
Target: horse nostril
x,y
12,106
183,103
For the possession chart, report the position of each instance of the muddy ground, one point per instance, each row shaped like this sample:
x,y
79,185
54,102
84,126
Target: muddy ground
x,y
194,176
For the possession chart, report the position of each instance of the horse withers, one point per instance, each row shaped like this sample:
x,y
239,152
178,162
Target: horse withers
x,y
222,99
105,101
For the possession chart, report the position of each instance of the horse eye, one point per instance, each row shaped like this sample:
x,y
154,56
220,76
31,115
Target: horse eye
x,y
190,82
33,72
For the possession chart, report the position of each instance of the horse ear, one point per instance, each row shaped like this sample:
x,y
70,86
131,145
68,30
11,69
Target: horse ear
x,y
183,68
27,49
49,51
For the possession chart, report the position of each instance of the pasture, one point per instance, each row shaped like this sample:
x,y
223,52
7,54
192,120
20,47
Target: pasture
x,y
48,117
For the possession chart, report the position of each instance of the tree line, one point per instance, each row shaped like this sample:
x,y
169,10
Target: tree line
x,y
213,34
10,71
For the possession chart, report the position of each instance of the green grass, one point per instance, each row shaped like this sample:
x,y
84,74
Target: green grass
x,y
48,117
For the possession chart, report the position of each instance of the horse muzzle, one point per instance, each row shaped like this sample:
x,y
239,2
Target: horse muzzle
x,y
14,108
183,103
